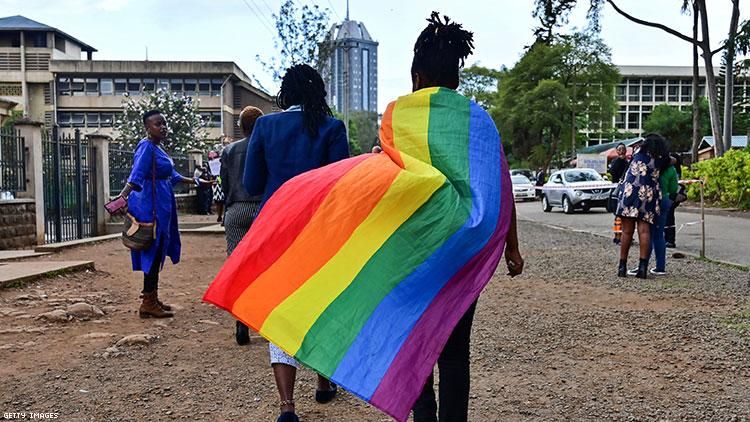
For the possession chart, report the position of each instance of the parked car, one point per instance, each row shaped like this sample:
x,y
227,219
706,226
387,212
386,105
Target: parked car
x,y
573,189
524,172
523,189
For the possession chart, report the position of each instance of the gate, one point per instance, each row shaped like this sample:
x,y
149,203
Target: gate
x,y
69,187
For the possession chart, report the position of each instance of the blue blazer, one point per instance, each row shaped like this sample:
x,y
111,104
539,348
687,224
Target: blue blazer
x,y
281,148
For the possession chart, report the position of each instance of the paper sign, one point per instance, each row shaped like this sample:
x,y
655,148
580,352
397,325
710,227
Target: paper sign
x,y
215,166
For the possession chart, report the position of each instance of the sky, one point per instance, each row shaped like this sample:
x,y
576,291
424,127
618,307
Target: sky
x,y
240,30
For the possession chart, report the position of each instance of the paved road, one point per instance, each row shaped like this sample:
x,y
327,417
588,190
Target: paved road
x,y
727,238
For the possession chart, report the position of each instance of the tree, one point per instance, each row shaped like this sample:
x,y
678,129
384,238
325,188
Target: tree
x,y
300,38
676,125
564,7
366,125
552,93
186,126
480,84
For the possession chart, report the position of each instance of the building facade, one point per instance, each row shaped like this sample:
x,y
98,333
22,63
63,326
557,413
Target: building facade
x,y
351,74
43,72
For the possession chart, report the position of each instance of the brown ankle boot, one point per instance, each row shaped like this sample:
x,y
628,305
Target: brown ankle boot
x,y
150,307
162,304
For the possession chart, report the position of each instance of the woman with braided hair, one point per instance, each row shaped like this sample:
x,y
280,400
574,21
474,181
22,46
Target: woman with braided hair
x,y
283,145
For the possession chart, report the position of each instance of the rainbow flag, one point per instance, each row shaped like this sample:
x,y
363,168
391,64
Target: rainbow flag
x,y
361,269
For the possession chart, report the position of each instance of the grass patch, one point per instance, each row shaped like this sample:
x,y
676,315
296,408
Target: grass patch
x,y
738,321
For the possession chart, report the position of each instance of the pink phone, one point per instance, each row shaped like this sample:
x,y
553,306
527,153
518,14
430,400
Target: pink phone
x,y
115,205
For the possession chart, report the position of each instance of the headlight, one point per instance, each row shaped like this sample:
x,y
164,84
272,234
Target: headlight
x,y
579,193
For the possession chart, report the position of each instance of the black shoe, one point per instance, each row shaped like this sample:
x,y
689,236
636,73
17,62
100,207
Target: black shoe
x,y
671,245
622,269
642,269
326,396
288,417
241,334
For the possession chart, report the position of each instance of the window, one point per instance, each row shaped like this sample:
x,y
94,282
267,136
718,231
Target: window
x,y
620,120
673,93
646,112
620,92
107,119
63,119
659,93
92,119
647,94
106,87
633,121
634,93
59,43
702,91
204,87
63,86
36,39
78,119
175,85
121,86
92,86
687,93
134,86
149,84
76,86
216,87
365,80
162,84
191,85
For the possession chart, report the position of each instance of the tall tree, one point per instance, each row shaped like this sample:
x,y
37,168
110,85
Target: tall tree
x,y
729,74
480,84
704,44
300,36
696,107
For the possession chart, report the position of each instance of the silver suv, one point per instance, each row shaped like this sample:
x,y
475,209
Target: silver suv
x,y
574,189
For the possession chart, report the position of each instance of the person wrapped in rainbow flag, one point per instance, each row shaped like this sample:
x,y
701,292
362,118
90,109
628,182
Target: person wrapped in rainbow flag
x,y
368,270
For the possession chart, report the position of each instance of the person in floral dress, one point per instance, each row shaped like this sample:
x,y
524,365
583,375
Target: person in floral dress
x,y
639,199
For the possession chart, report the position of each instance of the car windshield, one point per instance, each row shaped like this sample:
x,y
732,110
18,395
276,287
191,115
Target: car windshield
x,y
582,176
520,180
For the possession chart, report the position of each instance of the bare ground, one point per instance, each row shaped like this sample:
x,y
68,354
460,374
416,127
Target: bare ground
x,y
566,341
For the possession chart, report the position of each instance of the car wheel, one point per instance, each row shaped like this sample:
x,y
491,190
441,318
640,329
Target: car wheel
x,y
567,206
546,207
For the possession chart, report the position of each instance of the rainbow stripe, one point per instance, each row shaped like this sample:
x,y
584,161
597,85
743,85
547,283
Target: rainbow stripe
x,y
362,268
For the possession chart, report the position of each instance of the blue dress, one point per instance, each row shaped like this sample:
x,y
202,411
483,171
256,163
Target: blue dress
x,y
141,203
639,193
281,148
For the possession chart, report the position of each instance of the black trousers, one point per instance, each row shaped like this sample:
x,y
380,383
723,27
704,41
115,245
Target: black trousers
x,y
151,278
453,365
670,233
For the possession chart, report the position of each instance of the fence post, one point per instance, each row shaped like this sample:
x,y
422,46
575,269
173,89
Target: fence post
x,y
196,159
31,131
101,142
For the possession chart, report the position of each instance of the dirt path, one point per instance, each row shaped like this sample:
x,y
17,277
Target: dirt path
x,y
568,340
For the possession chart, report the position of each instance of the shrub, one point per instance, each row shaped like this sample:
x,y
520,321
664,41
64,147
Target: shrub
x,y
727,179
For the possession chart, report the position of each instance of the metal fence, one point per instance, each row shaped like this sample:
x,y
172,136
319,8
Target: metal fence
x,y
12,161
121,163
69,173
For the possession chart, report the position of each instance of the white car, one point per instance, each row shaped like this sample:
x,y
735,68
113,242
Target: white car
x,y
523,189
575,188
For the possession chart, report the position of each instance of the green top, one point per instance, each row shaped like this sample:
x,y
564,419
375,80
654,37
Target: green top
x,y
668,182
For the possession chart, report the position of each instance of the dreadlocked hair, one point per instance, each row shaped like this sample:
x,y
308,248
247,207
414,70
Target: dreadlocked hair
x,y
441,49
303,86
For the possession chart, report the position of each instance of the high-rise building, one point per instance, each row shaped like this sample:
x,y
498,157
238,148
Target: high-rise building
x,y
351,74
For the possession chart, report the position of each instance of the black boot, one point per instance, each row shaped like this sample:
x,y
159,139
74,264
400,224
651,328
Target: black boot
x,y
622,270
241,334
642,269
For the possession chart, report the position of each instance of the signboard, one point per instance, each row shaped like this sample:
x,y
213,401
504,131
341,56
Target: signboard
x,y
215,166
592,161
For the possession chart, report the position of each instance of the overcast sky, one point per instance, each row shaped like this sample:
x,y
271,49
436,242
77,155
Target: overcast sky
x,y
238,30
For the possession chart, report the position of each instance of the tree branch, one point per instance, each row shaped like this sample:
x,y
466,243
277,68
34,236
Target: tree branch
x,y
653,25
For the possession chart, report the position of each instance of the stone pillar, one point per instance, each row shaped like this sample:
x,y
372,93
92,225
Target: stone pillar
x,y
32,136
196,159
101,143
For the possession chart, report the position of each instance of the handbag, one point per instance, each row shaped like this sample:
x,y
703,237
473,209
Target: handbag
x,y
138,236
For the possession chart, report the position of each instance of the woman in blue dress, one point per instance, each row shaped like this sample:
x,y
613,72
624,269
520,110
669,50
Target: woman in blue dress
x,y
150,198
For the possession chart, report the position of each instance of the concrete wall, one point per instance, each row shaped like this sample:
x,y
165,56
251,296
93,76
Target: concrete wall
x,y
17,224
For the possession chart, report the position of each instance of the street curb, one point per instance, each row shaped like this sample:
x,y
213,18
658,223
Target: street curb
x,y
733,213
57,247
635,242
72,268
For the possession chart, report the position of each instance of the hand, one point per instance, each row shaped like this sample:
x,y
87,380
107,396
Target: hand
x,y
514,261
207,182
377,150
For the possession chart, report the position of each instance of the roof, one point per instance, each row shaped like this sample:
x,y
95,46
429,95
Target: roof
x,y
22,23
597,149
664,71
350,30
738,141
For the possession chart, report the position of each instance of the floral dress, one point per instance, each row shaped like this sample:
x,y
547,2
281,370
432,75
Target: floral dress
x,y
639,192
